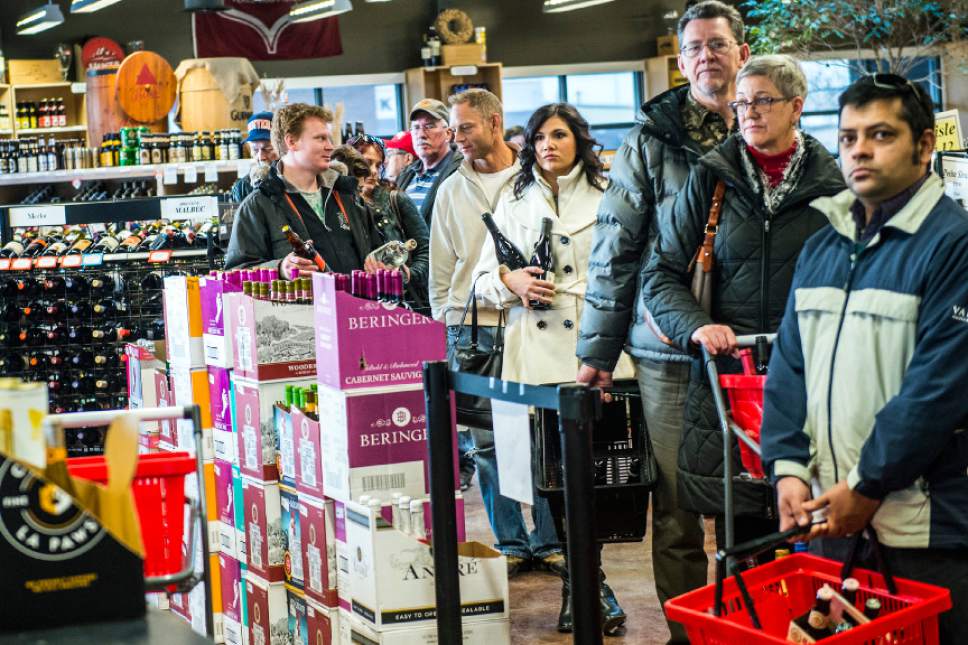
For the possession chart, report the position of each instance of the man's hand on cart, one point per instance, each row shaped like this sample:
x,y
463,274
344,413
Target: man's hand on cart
x,y
595,378
717,339
847,511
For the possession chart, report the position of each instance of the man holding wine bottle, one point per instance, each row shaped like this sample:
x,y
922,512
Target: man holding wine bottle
x,y
672,131
303,193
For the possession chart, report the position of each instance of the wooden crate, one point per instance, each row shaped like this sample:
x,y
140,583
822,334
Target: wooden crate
x,y
33,71
468,54
440,82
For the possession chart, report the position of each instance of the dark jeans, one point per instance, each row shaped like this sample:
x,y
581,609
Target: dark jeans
x,y
946,568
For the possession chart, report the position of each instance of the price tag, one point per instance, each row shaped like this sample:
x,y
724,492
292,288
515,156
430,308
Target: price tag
x,y
170,175
22,264
211,173
5,264
195,208
71,261
93,260
42,215
191,174
159,257
46,262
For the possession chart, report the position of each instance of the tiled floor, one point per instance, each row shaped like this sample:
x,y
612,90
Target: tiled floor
x,y
536,596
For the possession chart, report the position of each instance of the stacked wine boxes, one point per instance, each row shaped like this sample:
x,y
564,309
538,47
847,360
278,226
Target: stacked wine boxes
x,y
372,453
188,384
311,541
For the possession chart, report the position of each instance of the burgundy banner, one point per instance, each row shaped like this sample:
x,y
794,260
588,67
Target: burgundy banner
x,y
262,30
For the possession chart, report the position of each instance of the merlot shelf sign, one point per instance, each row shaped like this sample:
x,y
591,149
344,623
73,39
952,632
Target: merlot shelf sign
x,y
40,215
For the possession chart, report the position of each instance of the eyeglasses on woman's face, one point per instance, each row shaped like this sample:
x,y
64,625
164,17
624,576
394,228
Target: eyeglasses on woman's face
x,y
763,104
717,46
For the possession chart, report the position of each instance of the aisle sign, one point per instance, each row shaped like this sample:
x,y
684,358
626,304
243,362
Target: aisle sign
x,y
947,130
191,174
40,215
211,173
170,175
954,172
200,207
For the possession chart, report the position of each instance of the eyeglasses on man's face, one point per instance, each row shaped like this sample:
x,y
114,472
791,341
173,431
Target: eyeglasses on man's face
x,y
763,104
716,46
427,127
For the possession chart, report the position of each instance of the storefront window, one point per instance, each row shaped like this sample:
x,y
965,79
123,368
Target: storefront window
x,y
523,95
603,98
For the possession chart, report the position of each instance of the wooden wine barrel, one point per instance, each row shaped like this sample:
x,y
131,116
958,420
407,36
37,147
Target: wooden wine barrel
x,y
203,106
146,87
104,113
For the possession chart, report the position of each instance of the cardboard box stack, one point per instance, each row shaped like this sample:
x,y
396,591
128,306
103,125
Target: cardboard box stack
x,y
319,473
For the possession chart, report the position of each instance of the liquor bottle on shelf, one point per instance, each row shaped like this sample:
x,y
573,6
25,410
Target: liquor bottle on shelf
x,y
10,312
55,359
79,334
54,382
28,287
101,283
544,259
36,247
31,336
79,309
76,285
56,335
433,40
106,307
54,284
507,253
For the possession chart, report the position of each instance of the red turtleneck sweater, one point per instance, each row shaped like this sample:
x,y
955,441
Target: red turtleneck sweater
x,y
773,165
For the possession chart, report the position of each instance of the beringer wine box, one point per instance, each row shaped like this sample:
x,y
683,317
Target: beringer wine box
x,y
374,442
365,343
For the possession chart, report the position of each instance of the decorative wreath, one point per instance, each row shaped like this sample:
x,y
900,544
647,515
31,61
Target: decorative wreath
x,y
454,26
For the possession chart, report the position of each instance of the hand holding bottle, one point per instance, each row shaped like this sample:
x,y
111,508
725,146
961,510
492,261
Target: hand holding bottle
x,y
372,265
524,284
295,266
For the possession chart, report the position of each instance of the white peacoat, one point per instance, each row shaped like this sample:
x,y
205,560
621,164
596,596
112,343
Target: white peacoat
x,y
539,345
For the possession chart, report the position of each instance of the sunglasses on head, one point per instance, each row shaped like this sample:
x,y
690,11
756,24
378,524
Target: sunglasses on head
x,y
362,139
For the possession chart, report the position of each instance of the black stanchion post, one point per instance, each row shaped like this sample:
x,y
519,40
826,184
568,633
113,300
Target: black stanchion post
x,y
577,405
443,510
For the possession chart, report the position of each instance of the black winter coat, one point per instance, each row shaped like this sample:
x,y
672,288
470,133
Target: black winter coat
x,y
257,238
403,222
755,256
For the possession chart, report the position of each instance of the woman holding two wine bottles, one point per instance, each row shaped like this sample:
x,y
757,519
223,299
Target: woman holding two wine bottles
x,y
549,215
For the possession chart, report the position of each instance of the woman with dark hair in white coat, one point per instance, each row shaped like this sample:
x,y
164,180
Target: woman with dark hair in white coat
x,y
561,178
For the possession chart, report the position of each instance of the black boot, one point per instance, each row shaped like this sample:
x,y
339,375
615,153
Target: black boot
x,y
565,622
613,618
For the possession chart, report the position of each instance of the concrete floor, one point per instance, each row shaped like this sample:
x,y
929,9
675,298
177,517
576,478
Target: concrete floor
x,y
536,596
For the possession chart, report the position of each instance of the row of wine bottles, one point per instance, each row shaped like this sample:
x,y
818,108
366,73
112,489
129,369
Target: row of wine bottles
x,y
56,311
14,361
508,255
76,283
91,192
135,237
57,334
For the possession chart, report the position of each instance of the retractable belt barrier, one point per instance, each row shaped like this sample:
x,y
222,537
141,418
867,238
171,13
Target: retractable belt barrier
x,y
578,406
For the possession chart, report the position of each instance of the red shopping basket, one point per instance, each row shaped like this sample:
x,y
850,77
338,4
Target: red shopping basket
x,y
745,393
787,588
159,494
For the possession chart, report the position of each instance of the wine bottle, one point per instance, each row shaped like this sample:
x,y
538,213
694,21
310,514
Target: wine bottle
x,y
815,625
54,283
79,309
8,288
12,249
153,281
79,334
394,253
507,253
543,258
872,608
304,249
36,247
106,307
107,243
10,312
76,285
28,287
101,283
56,335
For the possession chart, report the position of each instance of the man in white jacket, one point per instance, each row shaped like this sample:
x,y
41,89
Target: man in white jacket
x,y
457,235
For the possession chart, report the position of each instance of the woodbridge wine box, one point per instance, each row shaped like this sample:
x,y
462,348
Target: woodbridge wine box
x,y
317,521
323,623
268,611
307,449
365,344
272,340
374,442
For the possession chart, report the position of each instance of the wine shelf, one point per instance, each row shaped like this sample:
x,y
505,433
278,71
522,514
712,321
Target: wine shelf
x,y
199,168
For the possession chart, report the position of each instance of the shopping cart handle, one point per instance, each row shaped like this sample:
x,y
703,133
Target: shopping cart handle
x,y
749,340
759,545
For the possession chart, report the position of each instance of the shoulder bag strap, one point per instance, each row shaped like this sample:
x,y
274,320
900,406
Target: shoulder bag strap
x,y
705,254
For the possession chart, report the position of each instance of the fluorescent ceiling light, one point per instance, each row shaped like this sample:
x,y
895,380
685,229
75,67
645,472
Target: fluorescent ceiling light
x,y
90,6
318,9
558,6
39,19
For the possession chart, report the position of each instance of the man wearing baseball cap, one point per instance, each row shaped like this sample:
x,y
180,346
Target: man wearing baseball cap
x,y
399,155
436,158
260,149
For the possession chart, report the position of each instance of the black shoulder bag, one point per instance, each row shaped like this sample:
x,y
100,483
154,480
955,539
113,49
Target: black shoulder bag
x,y
475,411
